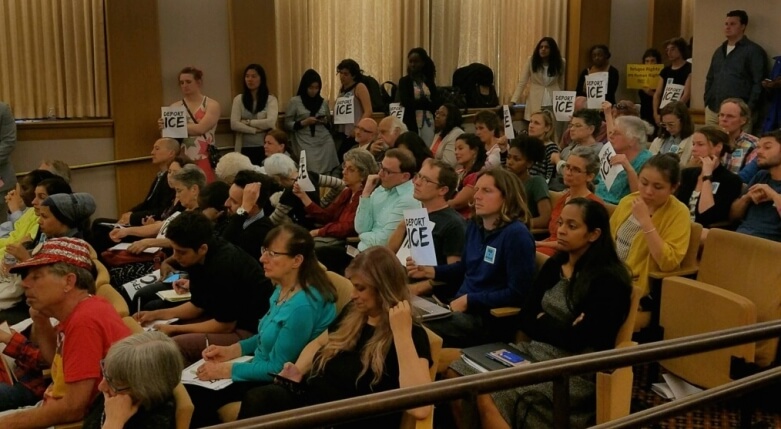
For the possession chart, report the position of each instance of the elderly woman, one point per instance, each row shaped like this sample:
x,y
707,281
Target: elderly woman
x,y
307,116
628,141
583,128
376,346
253,113
675,134
139,377
447,124
230,164
301,308
338,218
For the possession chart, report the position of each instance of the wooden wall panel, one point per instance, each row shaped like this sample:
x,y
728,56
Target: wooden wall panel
x,y
135,91
589,24
253,41
664,22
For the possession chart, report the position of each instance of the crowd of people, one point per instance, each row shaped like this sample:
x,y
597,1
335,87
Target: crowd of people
x,y
251,235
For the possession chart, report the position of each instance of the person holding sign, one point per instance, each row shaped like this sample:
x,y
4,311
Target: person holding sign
x,y
202,116
543,74
622,160
646,94
470,157
600,62
675,134
677,74
524,152
651,226
253,113
353,96
418,94
308,117
583,127
447,124
496,268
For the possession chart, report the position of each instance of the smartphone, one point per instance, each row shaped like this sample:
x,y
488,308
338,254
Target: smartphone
x,y
172,278
293,386
506,357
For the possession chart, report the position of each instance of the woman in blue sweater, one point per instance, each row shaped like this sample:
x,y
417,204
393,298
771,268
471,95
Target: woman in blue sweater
x,y
497,265
301,307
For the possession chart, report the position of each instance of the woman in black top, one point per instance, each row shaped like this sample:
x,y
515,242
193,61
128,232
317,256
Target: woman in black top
x,y
418,94
600,62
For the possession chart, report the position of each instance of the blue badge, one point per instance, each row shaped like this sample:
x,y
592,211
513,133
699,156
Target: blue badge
x,y
490,254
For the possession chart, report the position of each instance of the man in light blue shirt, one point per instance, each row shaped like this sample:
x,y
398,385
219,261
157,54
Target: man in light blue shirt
x,y
381,208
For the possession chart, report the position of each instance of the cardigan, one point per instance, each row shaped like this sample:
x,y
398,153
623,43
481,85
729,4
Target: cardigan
x,y
537,87
673,225
684,149
445,148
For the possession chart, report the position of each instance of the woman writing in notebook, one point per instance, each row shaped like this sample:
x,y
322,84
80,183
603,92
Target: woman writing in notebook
x,y
301,307
577,304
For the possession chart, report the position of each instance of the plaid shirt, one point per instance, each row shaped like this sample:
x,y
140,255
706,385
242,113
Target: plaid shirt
x,y
28,363
743,153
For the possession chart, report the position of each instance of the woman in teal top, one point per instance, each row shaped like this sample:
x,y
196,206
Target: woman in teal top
x,y
301,307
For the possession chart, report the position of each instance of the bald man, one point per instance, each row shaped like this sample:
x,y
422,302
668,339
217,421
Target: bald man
x,y
365,133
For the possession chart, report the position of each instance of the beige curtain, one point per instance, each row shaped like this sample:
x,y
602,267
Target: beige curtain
x,y
53,58
318,34
499,33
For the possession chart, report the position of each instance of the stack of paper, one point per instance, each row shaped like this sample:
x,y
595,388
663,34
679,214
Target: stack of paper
x,y
189,375
674,388
172,296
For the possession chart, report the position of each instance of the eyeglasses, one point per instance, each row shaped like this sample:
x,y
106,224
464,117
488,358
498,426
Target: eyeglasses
x,y
108,380
419,176
365,130
386,171
622,106
576,125
273,254
573,169
668,124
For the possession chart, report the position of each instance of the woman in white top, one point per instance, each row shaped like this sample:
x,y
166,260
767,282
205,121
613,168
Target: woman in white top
x,y
675,133
351,78
447,124
253,113
543,74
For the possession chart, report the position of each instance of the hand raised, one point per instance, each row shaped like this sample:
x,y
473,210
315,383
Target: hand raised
x,y
400,318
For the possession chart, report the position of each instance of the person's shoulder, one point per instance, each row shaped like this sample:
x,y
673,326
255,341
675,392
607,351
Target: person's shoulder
x,y
691,172
237,98
762,176
449,214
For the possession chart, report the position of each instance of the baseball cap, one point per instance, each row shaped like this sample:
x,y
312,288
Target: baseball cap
x,y
72,251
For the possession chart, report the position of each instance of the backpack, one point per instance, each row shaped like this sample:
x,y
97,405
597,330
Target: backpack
x,y
388,97
378,105
470,78
452,95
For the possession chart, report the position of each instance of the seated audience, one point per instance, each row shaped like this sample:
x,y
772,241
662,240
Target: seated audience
x,y
365,134
389,129
581,168
415,144
301,308
524,152
629,141
376,346
734,113
139,377
16,209
276,141
675,132
247,224
581,103
488,128
58,167
160,194
582,130
496,267
708,188
229,292
576,305
26,227
542,125
211,202
447,125
470,158
59,282
651,227
434,185
230,164
759,207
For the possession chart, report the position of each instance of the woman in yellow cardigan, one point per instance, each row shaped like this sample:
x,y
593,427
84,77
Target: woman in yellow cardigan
x,y
651,226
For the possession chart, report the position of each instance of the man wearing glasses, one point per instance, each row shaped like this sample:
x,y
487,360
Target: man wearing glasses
x,y
365,133
59,282
382,207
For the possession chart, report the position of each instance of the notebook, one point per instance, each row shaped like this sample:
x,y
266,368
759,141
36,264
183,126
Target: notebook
x,y
172,296
478,357
429,310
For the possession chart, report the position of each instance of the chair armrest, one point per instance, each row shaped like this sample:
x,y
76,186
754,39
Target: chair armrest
x,y
184,407
681,272
505,311
112,296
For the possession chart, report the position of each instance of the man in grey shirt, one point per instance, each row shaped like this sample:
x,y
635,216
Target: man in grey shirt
x,y
7,144
736,70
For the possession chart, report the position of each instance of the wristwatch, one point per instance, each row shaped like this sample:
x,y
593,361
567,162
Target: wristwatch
x,y
708,177
241,211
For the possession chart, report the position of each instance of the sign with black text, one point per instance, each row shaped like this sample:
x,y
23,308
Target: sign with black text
x,y
303,180
175,122
397,110
509,131
596,89
344,110
420,235
563,105
672,92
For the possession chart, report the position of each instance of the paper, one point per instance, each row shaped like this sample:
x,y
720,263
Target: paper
x,y
674,388
473,364
344,110
125,246
564,105
174,122
421,240
172,296
150,326
640,76
403,252
304,182
607,172
189,375
596,89
133,286
112,225
397,110
507,117
672,92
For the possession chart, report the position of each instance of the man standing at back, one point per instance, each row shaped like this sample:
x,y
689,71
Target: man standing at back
x,y
59,282
736,69
7,145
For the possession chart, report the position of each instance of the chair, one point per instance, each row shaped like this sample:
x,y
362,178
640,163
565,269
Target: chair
x,y
407,421
737,285
104,289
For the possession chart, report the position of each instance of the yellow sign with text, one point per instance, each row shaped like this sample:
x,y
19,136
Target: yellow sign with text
x,y
639,76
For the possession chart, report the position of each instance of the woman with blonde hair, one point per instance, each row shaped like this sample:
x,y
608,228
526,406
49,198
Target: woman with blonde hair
x,y
376,346
542,125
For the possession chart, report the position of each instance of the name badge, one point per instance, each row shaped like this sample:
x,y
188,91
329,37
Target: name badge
x,y
715,187
490,254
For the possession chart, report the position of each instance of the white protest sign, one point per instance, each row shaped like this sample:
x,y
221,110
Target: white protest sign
x,y
421,240
607,172
672,92
596,89
564,105
344,110
304,182
397,110
509,131
403,252
133,286
174,122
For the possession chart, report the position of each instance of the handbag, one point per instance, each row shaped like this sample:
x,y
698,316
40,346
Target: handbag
x,y
117,258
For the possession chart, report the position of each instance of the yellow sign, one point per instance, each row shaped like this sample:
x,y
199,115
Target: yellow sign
x,y
639,76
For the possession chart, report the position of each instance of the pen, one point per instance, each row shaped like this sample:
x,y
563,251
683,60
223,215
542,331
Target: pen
x,y
207,340
440,303
139,306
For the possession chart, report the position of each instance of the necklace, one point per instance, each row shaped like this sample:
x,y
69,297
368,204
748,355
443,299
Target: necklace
x,y
285,295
